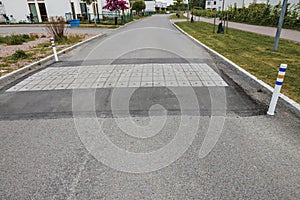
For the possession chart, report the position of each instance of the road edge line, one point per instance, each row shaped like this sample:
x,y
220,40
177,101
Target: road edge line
x,y
286,100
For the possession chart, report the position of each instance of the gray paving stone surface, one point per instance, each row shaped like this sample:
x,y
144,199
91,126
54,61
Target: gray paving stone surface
x,y
132,75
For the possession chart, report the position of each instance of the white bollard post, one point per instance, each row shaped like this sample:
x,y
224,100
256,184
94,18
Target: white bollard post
x,y
54,49
277,88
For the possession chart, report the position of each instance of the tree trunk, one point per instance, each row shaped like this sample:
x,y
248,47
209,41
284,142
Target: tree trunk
x,y
123,15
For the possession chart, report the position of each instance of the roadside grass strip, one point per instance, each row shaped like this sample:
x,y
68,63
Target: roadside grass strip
x,y
173,16
253,52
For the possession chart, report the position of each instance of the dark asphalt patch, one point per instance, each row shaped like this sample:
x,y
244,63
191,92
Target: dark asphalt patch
x,y
58,103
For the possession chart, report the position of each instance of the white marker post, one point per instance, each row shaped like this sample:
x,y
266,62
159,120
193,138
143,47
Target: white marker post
x,y
54,49
276,92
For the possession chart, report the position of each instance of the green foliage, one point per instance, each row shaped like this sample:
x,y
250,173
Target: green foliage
x,y
265,14
193,3
25,37
16,39
160,12
181,16
178,4
19,54
70,39
44,44
138,5
205,13
258,14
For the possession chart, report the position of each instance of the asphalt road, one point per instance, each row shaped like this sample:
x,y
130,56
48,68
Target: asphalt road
x,y
165,140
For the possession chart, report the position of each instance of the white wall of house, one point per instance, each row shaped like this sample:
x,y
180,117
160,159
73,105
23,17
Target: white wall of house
x,y
57,7
160,5
214,4
150,6
76,6
217,4
18,11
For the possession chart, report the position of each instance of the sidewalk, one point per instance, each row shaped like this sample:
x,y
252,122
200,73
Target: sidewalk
x,y
287,34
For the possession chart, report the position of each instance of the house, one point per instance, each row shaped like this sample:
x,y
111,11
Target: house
x,y
218,4
160,6
214,4
150,6
43,10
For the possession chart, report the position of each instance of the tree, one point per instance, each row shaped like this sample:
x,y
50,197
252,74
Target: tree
x,y
138,6
178,4
116,5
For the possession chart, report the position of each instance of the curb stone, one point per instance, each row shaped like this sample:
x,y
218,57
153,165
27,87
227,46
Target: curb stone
x,y
284,100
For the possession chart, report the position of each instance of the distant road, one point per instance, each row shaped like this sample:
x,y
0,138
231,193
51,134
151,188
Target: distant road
x,y
287,34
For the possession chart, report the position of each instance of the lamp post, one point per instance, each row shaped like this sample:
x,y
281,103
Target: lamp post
x,y
280,23
188,11
223,4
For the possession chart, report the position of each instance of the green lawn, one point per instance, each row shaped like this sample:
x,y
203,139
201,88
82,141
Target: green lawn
x,y
173,16
253,52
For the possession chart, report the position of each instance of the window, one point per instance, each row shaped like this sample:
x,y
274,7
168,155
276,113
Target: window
x,y
208,3
215,3
33,11
43,11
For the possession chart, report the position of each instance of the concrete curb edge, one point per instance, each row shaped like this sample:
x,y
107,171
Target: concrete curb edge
x,y
286,100
44,60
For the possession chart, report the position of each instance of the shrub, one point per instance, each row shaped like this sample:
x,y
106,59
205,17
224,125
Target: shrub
x,y
265,14
25,36
19,54
34,35
14,40
56,27
205,13
258,14
138,6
